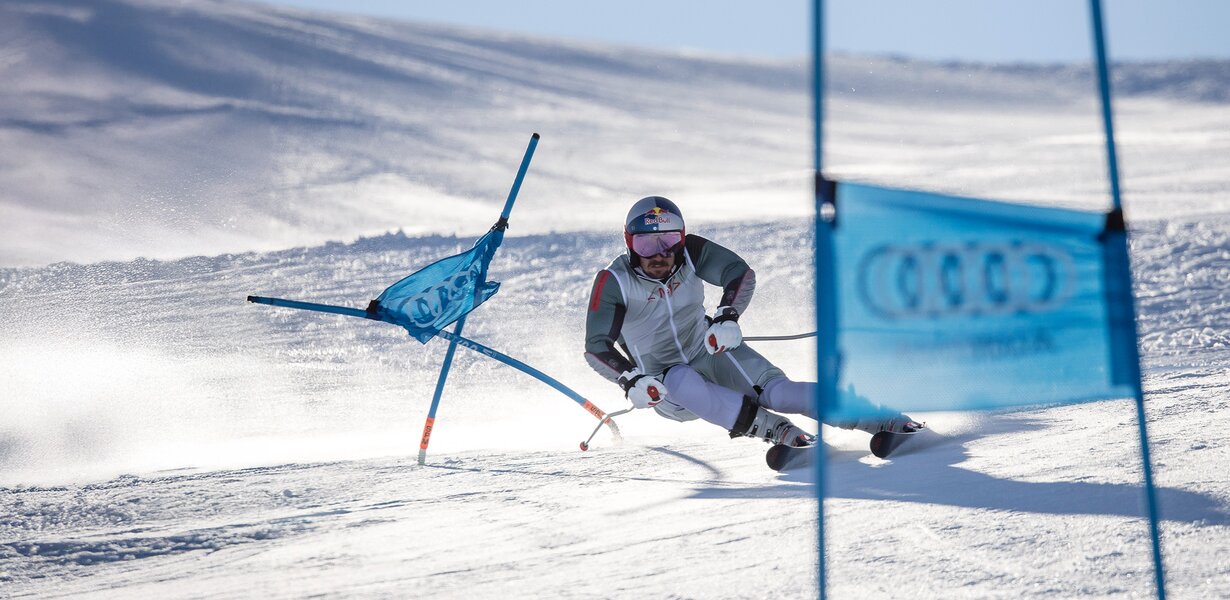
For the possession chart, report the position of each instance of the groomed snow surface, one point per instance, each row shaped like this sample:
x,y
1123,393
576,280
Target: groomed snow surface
x,y
213,453
162,438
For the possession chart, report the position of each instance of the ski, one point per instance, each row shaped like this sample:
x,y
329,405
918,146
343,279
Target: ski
x,y
885,442
786,458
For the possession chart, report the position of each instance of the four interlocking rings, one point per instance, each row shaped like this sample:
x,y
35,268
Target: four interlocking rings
x,y
934,280
428,305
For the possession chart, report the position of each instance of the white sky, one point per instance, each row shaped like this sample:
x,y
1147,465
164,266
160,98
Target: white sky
x,y
982,30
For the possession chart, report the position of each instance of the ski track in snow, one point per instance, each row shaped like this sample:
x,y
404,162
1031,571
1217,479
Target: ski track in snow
x,y
160,437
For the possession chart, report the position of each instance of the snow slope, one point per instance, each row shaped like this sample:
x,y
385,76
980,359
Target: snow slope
x,y
163,130
160,437
180,443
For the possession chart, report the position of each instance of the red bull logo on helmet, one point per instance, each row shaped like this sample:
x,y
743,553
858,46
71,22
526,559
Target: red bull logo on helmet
x,y
657,216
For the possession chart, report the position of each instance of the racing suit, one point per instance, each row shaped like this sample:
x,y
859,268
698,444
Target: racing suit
x,y
660,325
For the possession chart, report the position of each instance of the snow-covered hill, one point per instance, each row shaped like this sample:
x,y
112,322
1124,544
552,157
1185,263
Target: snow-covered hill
x,y
160,437
162,130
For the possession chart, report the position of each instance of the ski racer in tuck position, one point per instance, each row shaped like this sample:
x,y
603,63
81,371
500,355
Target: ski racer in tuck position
x,y
680,362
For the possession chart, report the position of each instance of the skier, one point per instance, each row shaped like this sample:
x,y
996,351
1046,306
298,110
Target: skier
x,y
682,363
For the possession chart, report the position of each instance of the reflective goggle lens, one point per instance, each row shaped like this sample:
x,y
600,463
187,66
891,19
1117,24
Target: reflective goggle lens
x,y
653,244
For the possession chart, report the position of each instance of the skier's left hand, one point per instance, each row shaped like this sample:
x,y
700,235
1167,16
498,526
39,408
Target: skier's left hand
x,y
724,333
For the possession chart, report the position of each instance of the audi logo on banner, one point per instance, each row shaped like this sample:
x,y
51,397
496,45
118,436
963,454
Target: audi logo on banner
x,y
428,305
933,280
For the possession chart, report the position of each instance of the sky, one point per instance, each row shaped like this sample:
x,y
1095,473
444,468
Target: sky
x,y
968,30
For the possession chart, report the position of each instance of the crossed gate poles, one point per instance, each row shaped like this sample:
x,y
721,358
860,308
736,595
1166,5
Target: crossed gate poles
x,y
376,312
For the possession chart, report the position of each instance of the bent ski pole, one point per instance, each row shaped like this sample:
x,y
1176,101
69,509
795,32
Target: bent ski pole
x,y
585,444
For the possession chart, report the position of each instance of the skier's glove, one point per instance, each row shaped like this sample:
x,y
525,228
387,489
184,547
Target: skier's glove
x,y
724,333
642,390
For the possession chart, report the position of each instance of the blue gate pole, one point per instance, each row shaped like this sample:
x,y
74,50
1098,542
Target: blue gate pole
x,y
589,407
826,298
435,399
516,188
1099,50
1099,47
499,226
456,339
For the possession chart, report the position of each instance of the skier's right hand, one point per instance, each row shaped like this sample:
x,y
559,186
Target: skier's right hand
x,y
642,390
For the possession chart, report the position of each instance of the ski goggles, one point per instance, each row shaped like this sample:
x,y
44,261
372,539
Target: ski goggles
x,y
653,244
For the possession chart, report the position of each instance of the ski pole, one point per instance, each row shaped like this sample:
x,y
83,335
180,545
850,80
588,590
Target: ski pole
x,y
585,444
775,338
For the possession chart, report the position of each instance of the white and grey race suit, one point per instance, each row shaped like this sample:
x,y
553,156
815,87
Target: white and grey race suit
x,y
661,324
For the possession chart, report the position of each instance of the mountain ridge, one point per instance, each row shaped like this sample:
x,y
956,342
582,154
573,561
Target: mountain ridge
x,y
166,130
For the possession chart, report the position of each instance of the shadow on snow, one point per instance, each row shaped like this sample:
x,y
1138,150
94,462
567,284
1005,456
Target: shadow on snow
x,y
929,474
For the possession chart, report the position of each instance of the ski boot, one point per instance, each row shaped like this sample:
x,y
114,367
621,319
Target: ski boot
x,y
755,421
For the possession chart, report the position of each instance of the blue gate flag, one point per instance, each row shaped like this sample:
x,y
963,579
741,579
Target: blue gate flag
x,y
435,296
950,303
